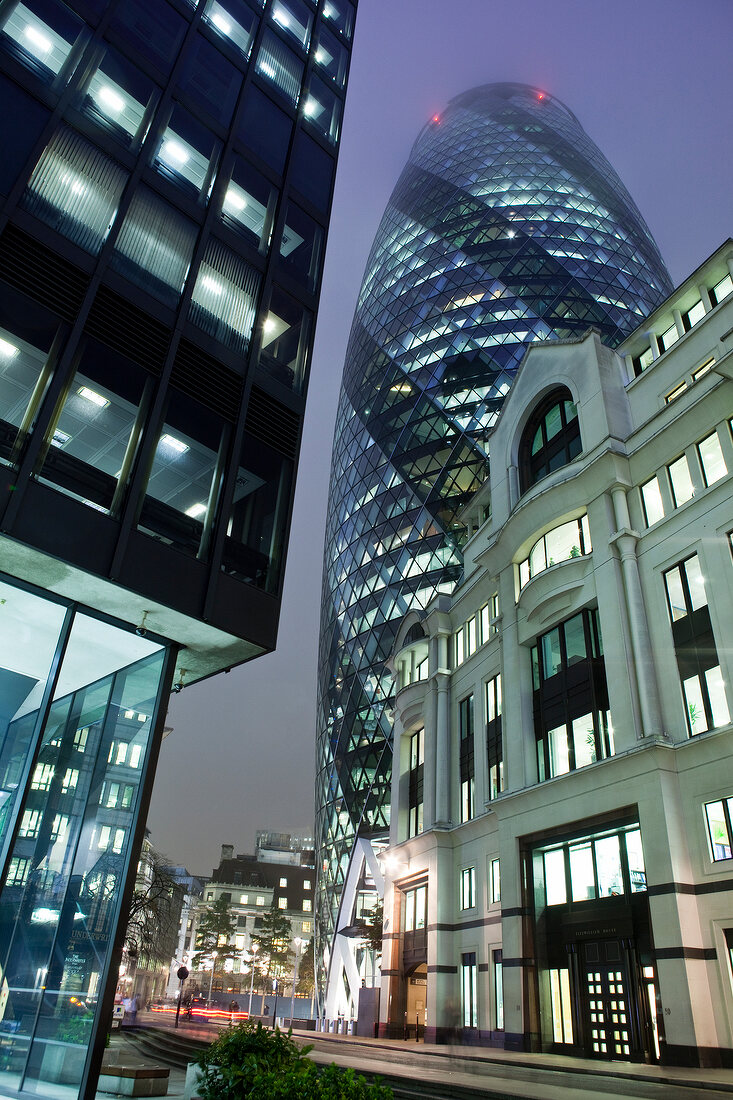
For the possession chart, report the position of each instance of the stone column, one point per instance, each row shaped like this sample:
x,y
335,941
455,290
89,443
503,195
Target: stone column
x,y
443,752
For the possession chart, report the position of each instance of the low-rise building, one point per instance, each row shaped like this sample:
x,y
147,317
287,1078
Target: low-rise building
x,y
559,871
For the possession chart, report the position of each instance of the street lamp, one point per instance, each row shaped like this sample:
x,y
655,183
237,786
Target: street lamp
x,y
253,949
213,968
297,944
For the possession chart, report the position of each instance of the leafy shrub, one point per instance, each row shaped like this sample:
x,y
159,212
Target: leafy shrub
x,y
253,1063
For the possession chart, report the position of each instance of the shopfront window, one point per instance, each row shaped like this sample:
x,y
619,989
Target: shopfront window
x,y
73,821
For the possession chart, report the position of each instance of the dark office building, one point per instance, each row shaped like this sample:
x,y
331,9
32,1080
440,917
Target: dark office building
x,y
165,189
507,226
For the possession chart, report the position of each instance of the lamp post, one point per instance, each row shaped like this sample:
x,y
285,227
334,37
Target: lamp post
x,y
253,949
213,968
297,944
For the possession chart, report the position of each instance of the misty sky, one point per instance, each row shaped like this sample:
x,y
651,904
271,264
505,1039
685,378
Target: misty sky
x,y
649,81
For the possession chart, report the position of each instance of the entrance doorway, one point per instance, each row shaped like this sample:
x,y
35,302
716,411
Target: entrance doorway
x,y
417,990
606,997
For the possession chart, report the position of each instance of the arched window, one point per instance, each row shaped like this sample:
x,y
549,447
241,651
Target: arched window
x,y
551,438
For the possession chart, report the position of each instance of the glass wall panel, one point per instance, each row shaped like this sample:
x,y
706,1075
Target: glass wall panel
x,y
249,204
75,189
27,332
331,57
311,171
255,544
155,30
224,297
679,475
295,19
234,21
154,247
581,871
95,437
711,459
554,869
212,81
608,867
651,497
55,931
265,129
285,336
279,65
300,246
41,34
120,98
635,856
182,485
187,154
23,120
323,109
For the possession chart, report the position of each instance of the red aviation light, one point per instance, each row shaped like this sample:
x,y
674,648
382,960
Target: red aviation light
x,y
540,95
436,118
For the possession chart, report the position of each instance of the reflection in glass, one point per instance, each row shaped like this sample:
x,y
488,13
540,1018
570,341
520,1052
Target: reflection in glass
x,y
584,741
340,15
300,246
254,547
181,485
26,335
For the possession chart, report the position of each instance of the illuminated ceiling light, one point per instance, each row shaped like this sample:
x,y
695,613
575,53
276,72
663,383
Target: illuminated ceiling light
x,y
95,398
211,284
60,438
44,915
8,350
511,233
196,510
40,42
270,324
174,444
110,99
235,199
267,69
329,12
221,22
310,106
281,18
129,714
321,56
401,387
173,152
142,717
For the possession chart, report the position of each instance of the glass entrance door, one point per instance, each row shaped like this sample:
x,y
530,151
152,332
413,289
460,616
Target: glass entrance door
x,y
606,1001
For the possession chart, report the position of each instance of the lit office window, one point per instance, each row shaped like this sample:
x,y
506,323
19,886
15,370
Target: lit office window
x,y
693,315
94,441
248,204
178,499
322,109
154,246
415,909
720,832
721,290
300,246
496,958
280,67
415,783
254,546
562,1013
569,540
642,361
495,884
237,30
469,990
224,296
187,154
285,335
331,57
75,189
711,459
40,34
466,758
120,98
651,499
703,687
681,481
294,19
669,337
494,742
340,16
468,888
27,332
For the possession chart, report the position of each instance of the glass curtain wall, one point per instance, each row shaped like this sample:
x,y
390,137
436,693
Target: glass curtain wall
x,y
79,699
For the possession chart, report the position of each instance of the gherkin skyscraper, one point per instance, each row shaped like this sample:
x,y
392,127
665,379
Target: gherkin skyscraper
x,y
507,225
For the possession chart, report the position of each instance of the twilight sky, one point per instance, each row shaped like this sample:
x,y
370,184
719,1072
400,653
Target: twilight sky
x,y
649,82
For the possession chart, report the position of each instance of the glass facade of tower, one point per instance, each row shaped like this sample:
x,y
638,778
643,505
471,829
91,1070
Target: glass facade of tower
x,y
507,226
165,190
